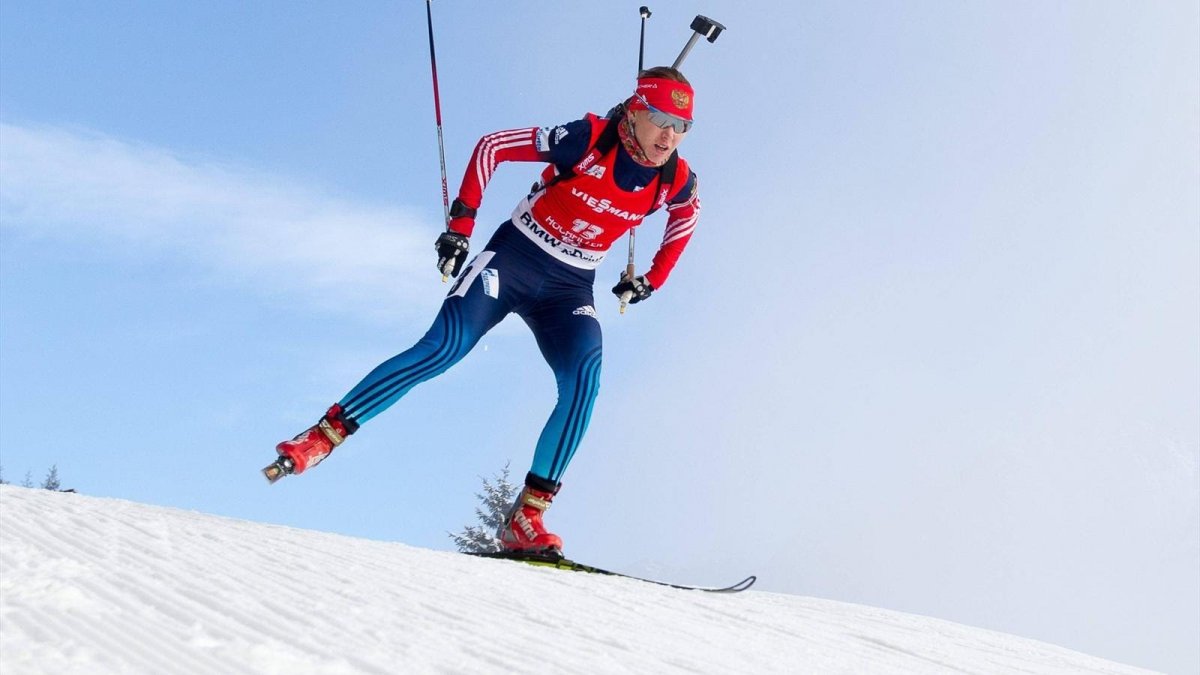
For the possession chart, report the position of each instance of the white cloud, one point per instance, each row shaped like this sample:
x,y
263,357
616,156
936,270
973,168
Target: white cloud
x,y
251,228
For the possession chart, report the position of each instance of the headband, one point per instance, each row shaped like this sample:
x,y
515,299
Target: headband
x,y
669,96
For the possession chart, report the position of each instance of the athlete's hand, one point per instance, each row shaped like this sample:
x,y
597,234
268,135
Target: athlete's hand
x,y
452,251
638,288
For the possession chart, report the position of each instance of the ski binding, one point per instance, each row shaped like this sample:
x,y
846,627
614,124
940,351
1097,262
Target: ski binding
x,y
278,469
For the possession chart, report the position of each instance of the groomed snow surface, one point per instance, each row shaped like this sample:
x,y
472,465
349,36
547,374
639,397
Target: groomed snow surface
x,y
92,585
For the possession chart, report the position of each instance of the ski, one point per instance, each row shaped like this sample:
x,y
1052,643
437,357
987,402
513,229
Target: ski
x,y
559,562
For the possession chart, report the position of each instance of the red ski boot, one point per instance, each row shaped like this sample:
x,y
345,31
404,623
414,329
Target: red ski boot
x,y
312,445
523,530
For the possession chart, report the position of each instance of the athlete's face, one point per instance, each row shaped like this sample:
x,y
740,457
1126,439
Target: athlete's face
x,y
657,142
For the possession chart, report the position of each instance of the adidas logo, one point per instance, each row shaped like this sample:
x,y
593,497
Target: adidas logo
x,y
586,310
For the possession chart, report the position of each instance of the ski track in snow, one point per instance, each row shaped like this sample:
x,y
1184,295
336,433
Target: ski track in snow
x,y
92,585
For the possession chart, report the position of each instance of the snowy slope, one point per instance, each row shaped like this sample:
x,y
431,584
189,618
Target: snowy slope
x,y
93,585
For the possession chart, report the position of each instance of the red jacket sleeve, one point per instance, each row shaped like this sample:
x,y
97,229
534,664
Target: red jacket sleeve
x,y
682,217
514,145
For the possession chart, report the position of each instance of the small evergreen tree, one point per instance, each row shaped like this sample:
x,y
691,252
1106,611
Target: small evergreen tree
x,y
2,481
51,482
494,502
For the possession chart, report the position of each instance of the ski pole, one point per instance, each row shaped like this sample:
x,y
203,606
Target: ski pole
x,y
437,108
702,26
644,11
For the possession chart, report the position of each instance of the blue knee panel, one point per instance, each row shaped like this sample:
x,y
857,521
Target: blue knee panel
x,y
577,390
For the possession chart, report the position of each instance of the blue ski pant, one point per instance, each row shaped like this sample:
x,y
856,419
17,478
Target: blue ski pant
x,y
555,300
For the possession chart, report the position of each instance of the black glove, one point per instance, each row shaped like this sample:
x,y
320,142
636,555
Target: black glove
x,y
452,250
638,287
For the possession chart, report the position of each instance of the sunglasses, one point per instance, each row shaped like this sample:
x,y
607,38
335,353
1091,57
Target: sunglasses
x,y
662,120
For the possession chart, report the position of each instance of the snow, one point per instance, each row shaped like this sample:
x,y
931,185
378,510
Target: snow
x,y
90,585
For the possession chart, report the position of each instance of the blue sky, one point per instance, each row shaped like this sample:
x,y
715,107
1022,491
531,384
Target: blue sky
x,y
935,345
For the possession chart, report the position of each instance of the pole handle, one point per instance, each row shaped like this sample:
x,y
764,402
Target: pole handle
x,y
629,273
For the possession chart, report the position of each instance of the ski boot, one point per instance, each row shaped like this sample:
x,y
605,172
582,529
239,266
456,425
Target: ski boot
x,y
522,530
311,446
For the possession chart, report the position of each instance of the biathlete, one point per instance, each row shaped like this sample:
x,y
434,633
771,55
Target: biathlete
x,y
604,175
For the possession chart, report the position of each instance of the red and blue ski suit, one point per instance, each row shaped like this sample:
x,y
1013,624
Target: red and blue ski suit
x,y
541,264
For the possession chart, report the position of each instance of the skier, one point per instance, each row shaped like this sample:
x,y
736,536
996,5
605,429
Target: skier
x,y
604,175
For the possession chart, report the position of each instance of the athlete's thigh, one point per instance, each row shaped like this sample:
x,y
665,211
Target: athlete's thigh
x,y
566,328
492,285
